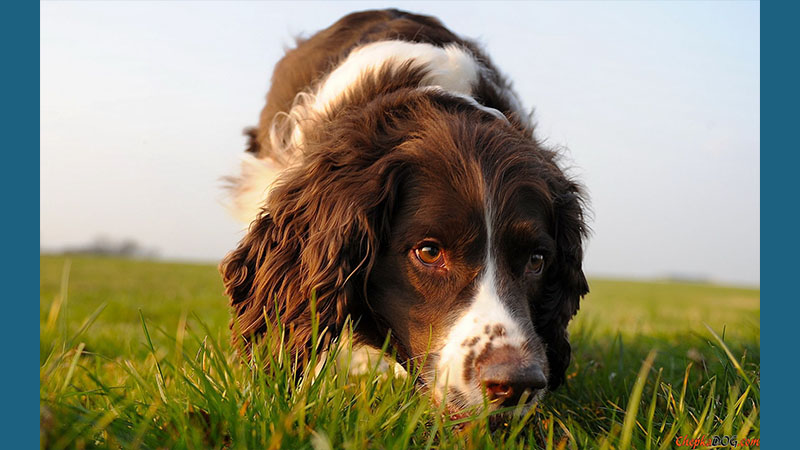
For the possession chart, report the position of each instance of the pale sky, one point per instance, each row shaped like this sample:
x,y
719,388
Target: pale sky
x,y
143,104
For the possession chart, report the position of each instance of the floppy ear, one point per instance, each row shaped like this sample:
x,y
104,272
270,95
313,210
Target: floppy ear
x,y
318,235
565,284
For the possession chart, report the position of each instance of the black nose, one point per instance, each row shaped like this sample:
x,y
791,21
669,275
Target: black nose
x,y
506,381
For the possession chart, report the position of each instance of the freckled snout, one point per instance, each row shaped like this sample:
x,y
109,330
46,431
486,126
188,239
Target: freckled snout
x,y
506,376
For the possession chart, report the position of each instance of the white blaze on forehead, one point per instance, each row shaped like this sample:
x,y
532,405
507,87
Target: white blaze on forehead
x,y
468,336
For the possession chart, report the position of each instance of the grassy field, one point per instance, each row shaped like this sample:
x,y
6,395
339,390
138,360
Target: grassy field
x,y
135,355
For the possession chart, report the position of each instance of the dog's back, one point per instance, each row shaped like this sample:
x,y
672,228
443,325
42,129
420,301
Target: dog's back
x,y
315,57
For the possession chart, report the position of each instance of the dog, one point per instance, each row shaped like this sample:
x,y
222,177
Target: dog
x,y
394,177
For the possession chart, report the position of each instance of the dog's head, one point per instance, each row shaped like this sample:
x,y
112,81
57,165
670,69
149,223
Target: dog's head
x,y
419,214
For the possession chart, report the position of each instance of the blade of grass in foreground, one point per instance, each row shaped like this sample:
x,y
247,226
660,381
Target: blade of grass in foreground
x,y
160,375
633,402
652,411
735,363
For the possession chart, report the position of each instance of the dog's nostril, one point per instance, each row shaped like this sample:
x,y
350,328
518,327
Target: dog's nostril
x,y
506,382
498,390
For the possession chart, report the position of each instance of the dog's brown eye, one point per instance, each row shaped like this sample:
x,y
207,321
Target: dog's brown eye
x,y
430,254
535,264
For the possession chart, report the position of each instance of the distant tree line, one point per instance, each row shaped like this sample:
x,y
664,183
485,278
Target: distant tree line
x,y
102,245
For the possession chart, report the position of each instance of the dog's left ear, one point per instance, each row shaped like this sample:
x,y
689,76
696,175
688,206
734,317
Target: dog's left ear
x,y
566,283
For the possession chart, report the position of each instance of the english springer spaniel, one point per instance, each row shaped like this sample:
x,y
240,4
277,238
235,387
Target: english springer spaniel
x,y
395,176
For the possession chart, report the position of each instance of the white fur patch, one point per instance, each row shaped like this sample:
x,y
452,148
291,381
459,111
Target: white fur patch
x,y
452,68
360,360
251,188
471,101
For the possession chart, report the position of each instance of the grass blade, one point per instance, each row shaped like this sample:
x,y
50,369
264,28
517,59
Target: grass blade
x,y
633,402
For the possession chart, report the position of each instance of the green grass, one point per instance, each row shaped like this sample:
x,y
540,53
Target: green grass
x,y
136,355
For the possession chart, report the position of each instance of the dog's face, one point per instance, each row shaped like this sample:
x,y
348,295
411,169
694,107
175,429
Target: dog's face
x,y
458,280
450,229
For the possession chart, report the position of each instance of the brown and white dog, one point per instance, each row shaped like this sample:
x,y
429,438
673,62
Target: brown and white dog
x,y
395,175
